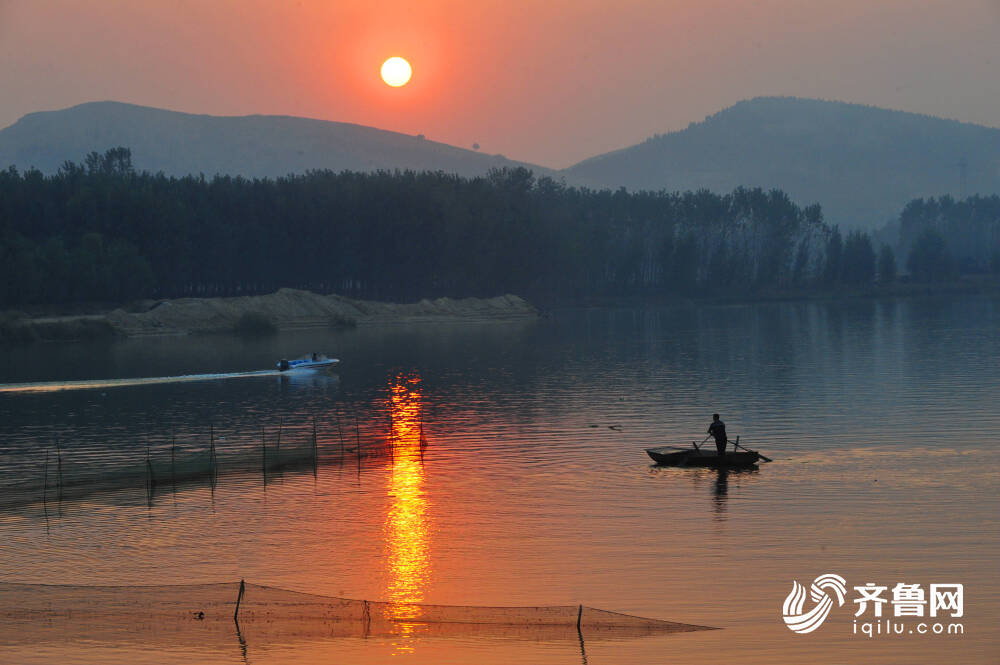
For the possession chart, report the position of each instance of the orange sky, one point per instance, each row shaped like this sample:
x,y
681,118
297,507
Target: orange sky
x,y
549,82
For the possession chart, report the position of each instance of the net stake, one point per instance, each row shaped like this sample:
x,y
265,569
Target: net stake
x,y
238,599
263,454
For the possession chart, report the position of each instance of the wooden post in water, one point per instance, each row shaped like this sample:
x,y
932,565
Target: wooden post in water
x,y
315,450
263,454
211,449
45,485
213,466
149,470
59,485
340,434
45,478
173,464
236,613
149,480
277,447
422,441
357,436
579,617
392,441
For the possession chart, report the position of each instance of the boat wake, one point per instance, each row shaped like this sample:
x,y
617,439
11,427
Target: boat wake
x,y
55,386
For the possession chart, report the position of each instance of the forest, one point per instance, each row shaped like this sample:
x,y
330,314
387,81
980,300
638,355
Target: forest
x,y
101,232
944,237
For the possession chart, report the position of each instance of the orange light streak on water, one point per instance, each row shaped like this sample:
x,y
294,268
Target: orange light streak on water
x,y
407,532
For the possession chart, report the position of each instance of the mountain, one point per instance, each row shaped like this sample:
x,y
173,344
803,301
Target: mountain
x,y
861,163
256,145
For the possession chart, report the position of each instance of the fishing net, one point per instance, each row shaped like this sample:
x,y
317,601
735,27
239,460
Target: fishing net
x,y
75,472
206,611
69,479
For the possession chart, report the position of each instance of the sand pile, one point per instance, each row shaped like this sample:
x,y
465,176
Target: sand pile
x,y
291,308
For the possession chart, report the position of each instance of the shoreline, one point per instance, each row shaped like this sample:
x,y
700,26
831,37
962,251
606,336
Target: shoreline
x,y
292,309
285,309
902,290
897,290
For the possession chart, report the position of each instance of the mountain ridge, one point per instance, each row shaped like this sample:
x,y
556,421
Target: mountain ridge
x,y
179,143
861,163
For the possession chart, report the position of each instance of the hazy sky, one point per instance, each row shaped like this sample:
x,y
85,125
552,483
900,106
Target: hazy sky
x,y
550,82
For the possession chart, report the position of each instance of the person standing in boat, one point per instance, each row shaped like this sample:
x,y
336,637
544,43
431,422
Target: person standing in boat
x,y
718,430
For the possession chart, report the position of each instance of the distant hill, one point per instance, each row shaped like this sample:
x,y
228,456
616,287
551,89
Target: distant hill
x,y
861,163
257,145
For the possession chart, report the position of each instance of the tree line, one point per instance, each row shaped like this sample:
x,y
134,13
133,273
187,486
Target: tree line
x,y
100,231
944,237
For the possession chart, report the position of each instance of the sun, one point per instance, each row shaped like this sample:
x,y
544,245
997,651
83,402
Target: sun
x,y
396,71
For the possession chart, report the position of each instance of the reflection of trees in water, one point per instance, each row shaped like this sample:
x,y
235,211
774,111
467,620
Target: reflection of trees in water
x,y
947,337
767,368
524,371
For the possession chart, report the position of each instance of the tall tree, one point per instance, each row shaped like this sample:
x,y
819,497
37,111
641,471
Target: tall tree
x,y
886,265
929,260
834,258
858,259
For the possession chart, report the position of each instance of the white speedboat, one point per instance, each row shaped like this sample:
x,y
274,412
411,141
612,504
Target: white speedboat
x,y
314,361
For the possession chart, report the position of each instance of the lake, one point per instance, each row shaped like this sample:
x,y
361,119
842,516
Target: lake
x,y
503,465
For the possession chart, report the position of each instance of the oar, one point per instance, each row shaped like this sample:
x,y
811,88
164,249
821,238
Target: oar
x,y
702,442
736,444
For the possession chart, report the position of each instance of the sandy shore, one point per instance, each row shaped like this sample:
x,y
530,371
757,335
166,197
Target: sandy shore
x,y
285,309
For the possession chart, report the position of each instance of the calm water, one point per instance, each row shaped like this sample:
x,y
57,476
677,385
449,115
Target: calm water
x,y
533,487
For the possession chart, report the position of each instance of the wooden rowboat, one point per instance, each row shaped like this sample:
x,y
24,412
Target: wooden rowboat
x,y
674,456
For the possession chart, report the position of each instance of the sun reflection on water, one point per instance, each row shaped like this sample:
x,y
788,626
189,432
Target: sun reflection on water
x,y
406,524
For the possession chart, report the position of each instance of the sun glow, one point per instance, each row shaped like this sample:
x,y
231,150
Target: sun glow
x,y
396,71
